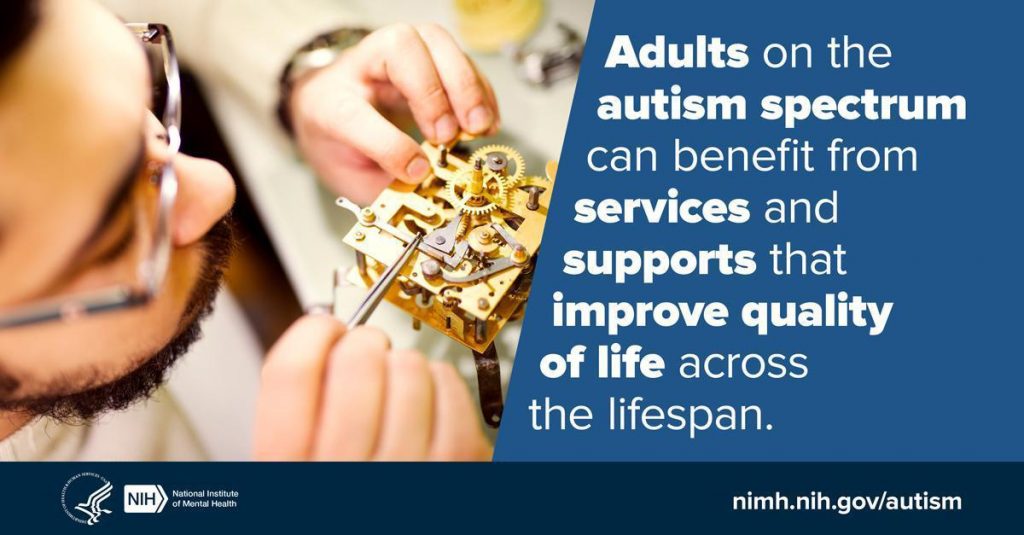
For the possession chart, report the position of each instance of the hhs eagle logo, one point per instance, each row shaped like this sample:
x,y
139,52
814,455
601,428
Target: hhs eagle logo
x,y
87,491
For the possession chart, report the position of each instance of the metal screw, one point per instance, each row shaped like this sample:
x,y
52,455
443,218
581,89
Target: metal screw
x,y
431,269
497,163
368,216
483,304
359,236
533,203
519,254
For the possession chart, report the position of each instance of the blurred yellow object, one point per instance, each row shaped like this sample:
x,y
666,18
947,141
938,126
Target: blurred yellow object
x,y
489,25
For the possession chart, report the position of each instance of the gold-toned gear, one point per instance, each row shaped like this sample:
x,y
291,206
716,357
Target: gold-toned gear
x,y
463,227
512,156
482,240
491,193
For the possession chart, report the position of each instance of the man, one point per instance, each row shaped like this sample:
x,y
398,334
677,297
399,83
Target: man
x,y
92,187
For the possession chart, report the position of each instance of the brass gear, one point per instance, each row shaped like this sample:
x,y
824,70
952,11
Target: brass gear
x,y
511,156
463,200
481,240
463,227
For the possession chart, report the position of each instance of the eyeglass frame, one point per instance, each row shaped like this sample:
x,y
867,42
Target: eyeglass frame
x,y
152,270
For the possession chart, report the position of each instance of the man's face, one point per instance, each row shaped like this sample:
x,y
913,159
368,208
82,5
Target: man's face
x,y
74,131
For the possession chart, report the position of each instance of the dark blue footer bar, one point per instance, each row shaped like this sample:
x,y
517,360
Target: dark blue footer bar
x,y
481,498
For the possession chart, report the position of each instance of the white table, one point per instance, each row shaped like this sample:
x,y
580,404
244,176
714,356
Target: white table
x,y
306,227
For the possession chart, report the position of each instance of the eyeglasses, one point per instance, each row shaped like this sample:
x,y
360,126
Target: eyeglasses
x,y
153,204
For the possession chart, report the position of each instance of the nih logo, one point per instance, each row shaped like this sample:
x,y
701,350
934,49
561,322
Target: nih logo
x,y
144,498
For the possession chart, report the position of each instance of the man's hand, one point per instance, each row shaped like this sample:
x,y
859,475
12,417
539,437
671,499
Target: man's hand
x,y
328,394
341,112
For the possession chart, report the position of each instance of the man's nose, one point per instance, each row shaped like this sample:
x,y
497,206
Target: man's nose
x,y
205,193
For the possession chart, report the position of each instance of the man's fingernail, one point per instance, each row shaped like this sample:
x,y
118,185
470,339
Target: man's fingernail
x,y
479,119
446,128
418,169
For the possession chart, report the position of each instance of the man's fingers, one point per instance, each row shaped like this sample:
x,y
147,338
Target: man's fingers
x,y
336,396
355,389
408,409
286,411
398,55
443,89
457,435
355,122
466,89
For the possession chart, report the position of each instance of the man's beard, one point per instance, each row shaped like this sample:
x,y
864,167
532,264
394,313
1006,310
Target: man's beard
x,y
141,382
